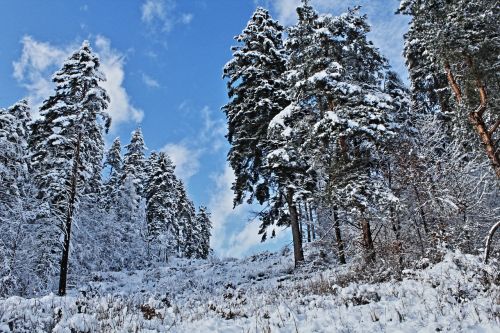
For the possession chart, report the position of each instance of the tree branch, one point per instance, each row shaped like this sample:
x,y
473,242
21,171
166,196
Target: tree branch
x,y
494,127
453,83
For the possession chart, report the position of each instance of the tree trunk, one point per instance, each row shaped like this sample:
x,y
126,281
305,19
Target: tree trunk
x,y
294,222
309,222
300,226
486,138
69,218
487,252
313,229
368,240
476,117
421,209
338,236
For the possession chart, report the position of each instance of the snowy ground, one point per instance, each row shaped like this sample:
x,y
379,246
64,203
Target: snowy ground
x,y
263,293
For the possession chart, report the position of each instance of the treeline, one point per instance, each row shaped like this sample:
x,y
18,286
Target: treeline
x,y
63,211
328,139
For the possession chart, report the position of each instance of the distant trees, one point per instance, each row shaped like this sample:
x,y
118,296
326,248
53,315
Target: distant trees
x,y
51,180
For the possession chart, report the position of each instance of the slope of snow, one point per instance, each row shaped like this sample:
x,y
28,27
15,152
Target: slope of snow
x,y
263,293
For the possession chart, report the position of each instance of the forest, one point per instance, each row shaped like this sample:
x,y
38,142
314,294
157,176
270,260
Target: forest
x,y
334,144
382,183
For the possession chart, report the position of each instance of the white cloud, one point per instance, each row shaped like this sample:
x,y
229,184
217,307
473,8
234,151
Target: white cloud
x,y
228,237
112,64
186,160
160,15
221,208
31,70
187,18
149,81
248,240
153,9
213,132
40,59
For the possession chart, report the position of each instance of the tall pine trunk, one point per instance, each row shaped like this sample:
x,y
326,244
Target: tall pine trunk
x,y
294,222
313,229
487,251
63,276
368,240
476,116
338,236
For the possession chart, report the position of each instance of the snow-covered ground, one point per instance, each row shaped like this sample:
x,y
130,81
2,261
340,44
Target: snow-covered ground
x,y
263,293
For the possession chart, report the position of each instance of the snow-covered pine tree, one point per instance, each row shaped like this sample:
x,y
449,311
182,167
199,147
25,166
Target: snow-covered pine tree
x,y
134,164
312,67
359,120
113,161
204,225
256,89
114,158
338,115
11,170
161,208
150,164
186,222
67,144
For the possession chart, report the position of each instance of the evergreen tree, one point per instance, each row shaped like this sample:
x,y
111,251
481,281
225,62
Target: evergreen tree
x,y
134,164
114,158
256,88
161,205
326,140
185,228
113,161
204,225
67,142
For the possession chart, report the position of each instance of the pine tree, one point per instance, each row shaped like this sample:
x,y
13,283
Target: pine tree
x,y
67,142
134,164
204,225
185,228
161,206
288,130
114,158
256,89
326,140
113,161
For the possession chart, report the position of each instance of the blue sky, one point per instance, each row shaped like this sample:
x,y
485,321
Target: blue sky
x,y
163,60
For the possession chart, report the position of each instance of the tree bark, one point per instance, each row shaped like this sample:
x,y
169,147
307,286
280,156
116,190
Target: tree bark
x,y
476,116
453,83
338,237
487,251
368,240
421,209
313,229
309,222
294,222
486,138
63,276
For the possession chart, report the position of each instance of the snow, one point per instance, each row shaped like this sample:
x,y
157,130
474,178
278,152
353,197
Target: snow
x,y
333,117
263,293
279,119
